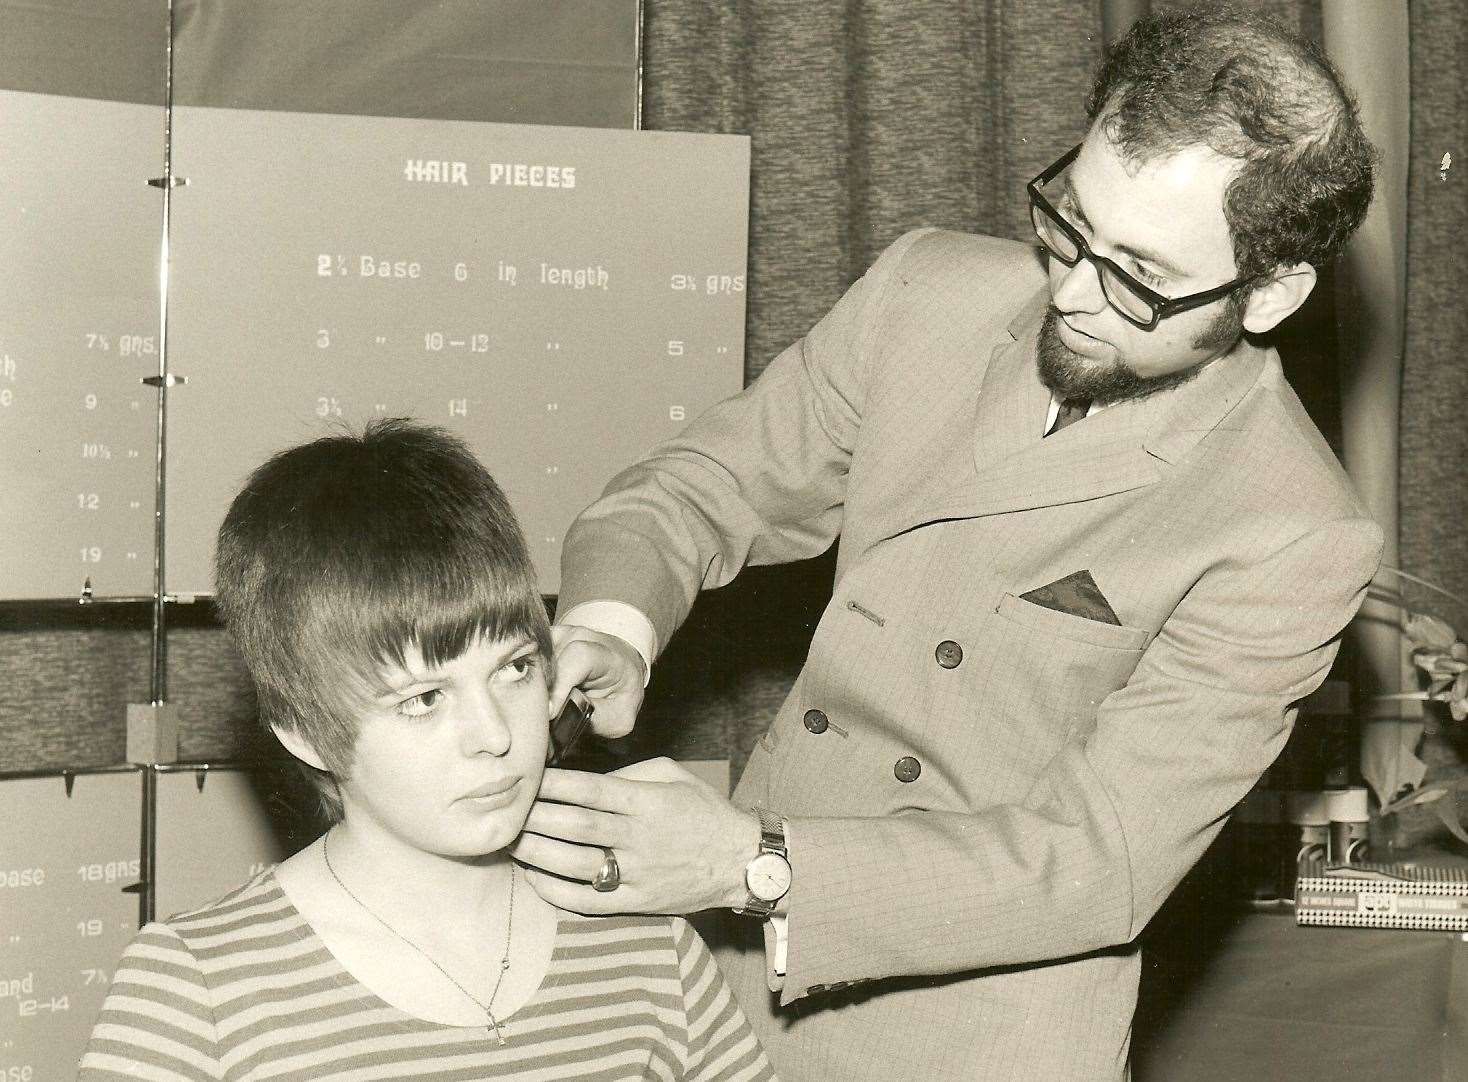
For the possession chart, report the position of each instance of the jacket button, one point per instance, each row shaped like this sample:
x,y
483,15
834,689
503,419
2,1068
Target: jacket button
x,y
816,721
907,769
949,654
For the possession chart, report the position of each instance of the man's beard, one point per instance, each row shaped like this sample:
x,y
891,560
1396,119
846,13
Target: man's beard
x,y
1069,376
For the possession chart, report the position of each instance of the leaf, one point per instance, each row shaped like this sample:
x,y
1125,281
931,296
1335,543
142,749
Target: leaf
x,y
1429,631
1423,582
1426,795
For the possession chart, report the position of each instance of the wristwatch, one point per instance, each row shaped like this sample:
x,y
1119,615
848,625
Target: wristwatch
x,y
767,876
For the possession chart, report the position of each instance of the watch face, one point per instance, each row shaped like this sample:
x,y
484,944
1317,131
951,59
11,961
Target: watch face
x,y
768,877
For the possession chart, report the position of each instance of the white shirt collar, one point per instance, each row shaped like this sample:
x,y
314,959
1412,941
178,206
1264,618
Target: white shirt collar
x,y
1054,410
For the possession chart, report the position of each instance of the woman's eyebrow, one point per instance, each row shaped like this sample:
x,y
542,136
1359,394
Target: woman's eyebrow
x,y
516,646
393,690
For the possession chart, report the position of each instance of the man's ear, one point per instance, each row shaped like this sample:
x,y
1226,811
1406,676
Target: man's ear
x,y
297,745
1269,304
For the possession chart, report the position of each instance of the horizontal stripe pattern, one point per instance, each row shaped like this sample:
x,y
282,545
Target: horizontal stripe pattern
x,y
244,989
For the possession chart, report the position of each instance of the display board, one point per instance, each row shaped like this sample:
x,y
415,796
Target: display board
x,y
563,297
68,855
79,243
217,827
68,872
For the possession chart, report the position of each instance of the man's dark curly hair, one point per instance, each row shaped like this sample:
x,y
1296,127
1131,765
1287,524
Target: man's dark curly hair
x,y
1240,84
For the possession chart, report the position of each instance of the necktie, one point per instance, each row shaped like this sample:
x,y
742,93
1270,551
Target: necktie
x,y
1071,410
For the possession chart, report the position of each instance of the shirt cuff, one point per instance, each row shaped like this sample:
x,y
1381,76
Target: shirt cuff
x,y
622,620
777,943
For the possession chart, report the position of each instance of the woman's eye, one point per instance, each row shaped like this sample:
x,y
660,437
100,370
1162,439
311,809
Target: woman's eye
x,y
518,669
421,704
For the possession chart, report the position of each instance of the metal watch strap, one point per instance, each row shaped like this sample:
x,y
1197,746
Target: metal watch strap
x,y
771,832
771,840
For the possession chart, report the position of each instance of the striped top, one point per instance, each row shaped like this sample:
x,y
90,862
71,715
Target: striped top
x,y
244,989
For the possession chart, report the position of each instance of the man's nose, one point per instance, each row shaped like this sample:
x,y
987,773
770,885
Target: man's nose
x,y
1079,288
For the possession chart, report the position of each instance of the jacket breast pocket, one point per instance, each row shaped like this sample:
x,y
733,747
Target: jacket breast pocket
x,y
1063,625
1037,682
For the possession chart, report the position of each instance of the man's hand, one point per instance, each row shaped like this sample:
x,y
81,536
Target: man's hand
x,y
606,669
680,844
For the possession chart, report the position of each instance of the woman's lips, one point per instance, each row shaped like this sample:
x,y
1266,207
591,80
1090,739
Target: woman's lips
x,y
495,792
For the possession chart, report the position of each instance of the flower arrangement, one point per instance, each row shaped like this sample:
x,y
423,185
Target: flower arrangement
x,y
1442,657
1437,651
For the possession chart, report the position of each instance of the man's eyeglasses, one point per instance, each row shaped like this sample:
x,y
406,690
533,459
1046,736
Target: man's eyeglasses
x,y
1131,299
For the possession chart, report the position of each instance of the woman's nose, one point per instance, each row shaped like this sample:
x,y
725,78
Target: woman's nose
x,y
484,729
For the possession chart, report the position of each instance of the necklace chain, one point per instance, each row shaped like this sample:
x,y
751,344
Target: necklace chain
x,y
487,1008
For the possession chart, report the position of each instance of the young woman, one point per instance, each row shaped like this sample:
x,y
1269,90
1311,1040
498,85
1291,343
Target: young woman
x,y
381,594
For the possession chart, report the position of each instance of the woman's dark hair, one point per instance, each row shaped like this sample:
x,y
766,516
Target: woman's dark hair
x,y
340,554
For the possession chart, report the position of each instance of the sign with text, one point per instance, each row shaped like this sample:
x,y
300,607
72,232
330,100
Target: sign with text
x,y
564,298
71,850
79,330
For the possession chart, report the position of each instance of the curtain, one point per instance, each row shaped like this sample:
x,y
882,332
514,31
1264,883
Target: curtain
x,y
1434,440
867,120
1433,448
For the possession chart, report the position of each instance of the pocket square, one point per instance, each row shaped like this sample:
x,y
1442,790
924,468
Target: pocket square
x,y
1076,594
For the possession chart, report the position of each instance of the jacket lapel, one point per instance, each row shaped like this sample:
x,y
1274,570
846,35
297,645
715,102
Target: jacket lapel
x,y
1007,465
1009,416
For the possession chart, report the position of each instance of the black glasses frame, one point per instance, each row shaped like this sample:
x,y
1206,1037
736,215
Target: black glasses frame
x,y
1161,307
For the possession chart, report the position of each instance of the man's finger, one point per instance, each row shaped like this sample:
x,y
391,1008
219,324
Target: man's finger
x,y
575,663
660,770
615,715
599,792
596,662
573,823
579,862
606,669
573,897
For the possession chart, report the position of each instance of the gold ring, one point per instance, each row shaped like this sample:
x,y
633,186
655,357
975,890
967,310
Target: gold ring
x,y
609,878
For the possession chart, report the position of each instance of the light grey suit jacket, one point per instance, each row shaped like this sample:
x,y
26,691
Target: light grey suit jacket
x,y
1003,793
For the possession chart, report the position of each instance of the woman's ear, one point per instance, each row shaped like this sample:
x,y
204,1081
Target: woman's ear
x,y
298,746
1269,304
